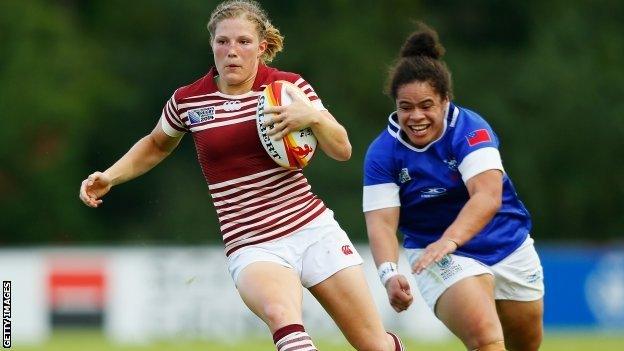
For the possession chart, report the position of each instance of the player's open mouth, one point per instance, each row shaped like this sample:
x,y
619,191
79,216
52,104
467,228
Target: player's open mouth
x,y
420,129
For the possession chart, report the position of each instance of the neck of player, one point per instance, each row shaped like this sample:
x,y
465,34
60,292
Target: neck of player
x,y
235,89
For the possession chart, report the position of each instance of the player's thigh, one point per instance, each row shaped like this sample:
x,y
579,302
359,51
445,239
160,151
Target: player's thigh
x,y
273,292
522,323
346,297
468,309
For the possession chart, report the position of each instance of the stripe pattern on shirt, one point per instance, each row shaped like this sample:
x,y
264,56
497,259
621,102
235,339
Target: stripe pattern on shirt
x,y
255,199
263,207
176,118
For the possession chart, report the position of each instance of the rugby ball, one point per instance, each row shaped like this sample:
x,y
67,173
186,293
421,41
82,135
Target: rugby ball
x,y
295,150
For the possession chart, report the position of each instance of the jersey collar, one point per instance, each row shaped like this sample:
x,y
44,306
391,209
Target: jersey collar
x,y
451,111
258,84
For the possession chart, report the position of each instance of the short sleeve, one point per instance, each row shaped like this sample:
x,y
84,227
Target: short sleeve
x,y
310,93
380,186
170,120
475,146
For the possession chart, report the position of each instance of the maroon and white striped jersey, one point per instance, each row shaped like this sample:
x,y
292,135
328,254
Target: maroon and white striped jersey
x,y
256,200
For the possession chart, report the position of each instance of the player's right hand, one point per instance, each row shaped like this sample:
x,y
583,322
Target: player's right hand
x,y
399,293
286,119
93,188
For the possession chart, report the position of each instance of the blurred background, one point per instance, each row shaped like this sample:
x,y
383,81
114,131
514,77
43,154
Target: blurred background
x,y
81,81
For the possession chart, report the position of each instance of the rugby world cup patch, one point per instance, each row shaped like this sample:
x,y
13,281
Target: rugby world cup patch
x,y
200,115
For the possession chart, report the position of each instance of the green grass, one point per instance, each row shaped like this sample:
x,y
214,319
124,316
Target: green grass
x,y
94,341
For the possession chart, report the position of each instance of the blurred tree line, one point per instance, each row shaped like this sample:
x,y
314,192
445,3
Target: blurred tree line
x,y
81,81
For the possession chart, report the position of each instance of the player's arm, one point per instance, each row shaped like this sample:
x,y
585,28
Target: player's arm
x,y
332,136
142,156
381,225
485,191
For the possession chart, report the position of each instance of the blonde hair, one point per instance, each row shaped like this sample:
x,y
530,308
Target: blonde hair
x,y
256,15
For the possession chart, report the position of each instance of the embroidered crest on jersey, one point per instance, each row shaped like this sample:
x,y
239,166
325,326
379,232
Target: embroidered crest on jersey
x,y
451,163
200,115
404,176
478,136
232,105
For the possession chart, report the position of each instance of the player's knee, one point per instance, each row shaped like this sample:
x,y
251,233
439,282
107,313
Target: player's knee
x,y
276,314
484,332
526,343
493,346
527,337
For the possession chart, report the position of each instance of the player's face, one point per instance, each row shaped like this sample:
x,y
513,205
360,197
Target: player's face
x,y
421,112
237,49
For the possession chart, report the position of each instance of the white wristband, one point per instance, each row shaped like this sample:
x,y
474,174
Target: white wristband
x,y
386,271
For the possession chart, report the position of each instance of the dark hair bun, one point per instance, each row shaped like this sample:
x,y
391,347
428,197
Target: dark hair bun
x,y
423,42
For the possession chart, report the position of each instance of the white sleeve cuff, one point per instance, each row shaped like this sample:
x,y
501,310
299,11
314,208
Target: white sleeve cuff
x,y
380,196
480,161
168,129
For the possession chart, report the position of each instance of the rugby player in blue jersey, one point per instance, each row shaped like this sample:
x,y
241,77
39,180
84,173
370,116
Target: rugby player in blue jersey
x,y
435,173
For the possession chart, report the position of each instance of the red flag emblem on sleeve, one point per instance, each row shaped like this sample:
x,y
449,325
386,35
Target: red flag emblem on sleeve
x,y
478,136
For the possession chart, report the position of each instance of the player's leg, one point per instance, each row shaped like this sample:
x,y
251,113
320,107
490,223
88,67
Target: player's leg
x,y
460,291
332,271
358,318
468,309
522,323
518,293
273,292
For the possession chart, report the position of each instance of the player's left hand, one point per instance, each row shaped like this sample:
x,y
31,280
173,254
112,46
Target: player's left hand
x,y
286,119
434,253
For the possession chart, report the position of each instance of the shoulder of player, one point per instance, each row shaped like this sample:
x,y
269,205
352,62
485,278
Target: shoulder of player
x,y
467,115
471,132
468,119
203,85
275,74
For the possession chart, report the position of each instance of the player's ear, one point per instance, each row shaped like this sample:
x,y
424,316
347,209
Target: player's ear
x,y
262,47
444,99
447,98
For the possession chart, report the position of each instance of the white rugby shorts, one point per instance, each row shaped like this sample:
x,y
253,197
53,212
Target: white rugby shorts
x,y
517,277
315,252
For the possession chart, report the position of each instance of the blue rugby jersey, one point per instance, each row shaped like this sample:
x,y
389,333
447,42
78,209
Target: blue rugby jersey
x,y
429,184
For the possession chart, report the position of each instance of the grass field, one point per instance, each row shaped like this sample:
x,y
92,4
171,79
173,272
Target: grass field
x,y
95,341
